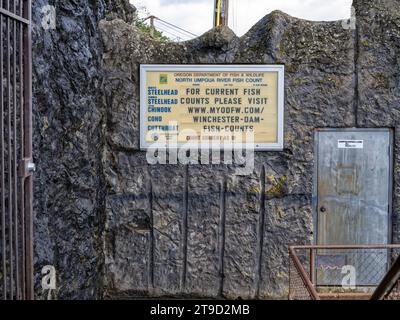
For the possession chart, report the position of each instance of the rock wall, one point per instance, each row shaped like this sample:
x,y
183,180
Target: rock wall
x,y
115,226
68,119
320,78
378,78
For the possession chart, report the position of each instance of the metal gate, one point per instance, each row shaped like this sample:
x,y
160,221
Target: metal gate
x,y
16,167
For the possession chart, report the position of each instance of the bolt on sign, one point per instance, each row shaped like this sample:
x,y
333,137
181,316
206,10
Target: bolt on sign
x,y
212,106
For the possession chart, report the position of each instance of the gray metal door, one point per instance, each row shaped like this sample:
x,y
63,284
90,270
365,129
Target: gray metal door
x,y
353,186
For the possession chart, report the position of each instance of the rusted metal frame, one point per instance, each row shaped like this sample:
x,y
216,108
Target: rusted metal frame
x,y
312,266
303,274
2,165
22,151
338,247
13,16
388,282
345,296
9,149
383,290
290,276
28,181
15,157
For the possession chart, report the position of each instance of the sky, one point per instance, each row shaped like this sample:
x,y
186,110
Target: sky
x,y
196,16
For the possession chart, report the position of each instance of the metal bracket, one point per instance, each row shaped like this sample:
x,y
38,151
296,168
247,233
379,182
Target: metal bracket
x,y
26,168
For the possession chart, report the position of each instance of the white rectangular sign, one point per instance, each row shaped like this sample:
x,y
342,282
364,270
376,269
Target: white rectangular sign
x,y
208,106
351,144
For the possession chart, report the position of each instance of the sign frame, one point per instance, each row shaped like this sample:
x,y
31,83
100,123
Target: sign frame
x,y
279,68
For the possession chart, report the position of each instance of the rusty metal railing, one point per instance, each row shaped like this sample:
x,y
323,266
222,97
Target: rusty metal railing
x,y
389,287
16,253
300,285
343,272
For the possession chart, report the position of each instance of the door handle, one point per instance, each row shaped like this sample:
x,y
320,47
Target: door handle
x,y
322,209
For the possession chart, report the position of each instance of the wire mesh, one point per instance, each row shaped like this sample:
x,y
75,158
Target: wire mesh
x,y
298,289
342,272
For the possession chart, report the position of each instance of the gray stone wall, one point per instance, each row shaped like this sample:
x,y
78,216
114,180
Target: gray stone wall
x,y
115,226
265,211
68,139
378,78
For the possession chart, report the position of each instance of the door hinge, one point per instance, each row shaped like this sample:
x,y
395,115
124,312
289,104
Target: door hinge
x,y
26,168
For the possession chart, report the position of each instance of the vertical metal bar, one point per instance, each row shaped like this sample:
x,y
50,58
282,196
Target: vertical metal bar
x,y
15,164
290,276
28,150
16,113
22,151
312,266
2,137
152,28
9,151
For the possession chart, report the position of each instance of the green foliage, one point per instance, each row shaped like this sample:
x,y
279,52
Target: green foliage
x,y
146,29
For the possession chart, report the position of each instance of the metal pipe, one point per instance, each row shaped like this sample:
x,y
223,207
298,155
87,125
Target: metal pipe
x,y
9,151
28,150
379,246
290,276
22,151
2,166
312,266
15,160
218,13
152,28
14,16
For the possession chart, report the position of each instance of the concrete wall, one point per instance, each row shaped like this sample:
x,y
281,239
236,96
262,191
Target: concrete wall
x,y
115,226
